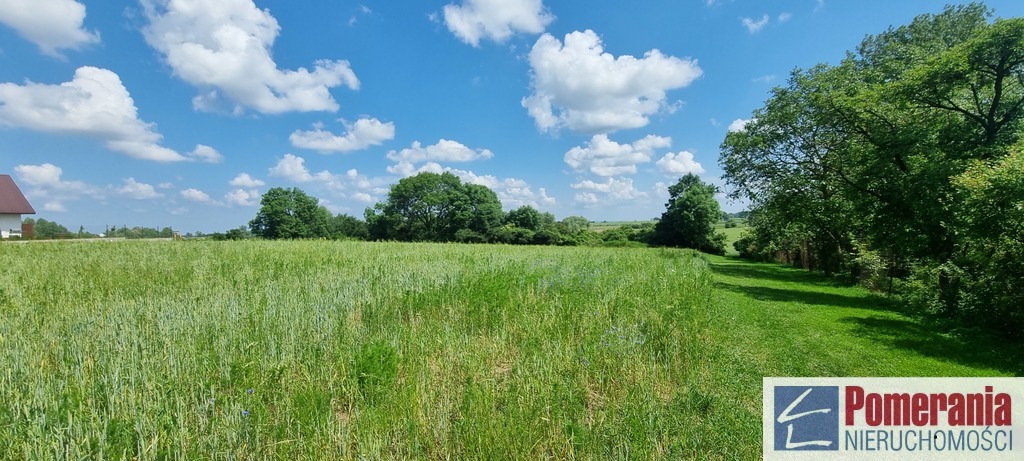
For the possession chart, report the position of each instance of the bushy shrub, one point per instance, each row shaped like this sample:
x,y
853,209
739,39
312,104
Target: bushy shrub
x,y
633,235
989,264
690,216
980,284
469,236
512,235
622,244
751,246
870,269
549,235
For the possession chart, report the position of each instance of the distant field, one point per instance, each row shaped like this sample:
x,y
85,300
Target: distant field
x,y
610,225
349,350
732,234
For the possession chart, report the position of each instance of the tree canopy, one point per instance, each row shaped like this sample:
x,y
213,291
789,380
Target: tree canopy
x,y
690,216
856,161
441,208
434,207
290,214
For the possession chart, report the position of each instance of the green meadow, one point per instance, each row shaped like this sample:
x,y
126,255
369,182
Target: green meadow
x,y
732,234
356,350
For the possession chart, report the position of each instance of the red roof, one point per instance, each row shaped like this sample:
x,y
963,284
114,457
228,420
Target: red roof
x,y
12,201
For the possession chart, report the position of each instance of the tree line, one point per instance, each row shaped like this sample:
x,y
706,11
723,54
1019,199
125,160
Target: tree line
x,y
901,166
47,230
432,207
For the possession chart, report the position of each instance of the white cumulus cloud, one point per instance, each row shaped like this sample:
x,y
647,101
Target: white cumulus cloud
x,y
497,20
294,169
613,189
755,25
363,197
46,182
137,190
406,169
55,206
242,197
246,181
587,198
206,154
577,85
739,124
93,104
679,164
512,192
224,48
50,24
350,184
364,133
515,195
43,175
443,151
605,157
661,189
196,195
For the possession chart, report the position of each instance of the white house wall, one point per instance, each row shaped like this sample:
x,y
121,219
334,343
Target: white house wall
x,y
9,222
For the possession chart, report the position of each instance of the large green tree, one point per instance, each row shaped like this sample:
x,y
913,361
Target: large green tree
x,y
690,216
43,229
575,225
525,217
859,158
345,226
435,207
991,241
791,163
290,214
483,211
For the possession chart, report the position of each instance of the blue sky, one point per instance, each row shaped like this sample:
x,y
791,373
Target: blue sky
x,y
182,112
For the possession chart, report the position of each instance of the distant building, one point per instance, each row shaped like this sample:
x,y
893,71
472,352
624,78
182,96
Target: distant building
x,y
13,204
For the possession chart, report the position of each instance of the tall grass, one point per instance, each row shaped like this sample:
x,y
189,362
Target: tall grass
x,y
341,350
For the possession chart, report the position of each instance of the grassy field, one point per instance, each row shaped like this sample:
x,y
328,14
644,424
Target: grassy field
x,y
601,226
779,321
346,350
732,234
324,350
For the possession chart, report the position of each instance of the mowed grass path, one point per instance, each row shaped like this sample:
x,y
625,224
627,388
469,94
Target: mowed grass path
x,y
787,322
772,320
